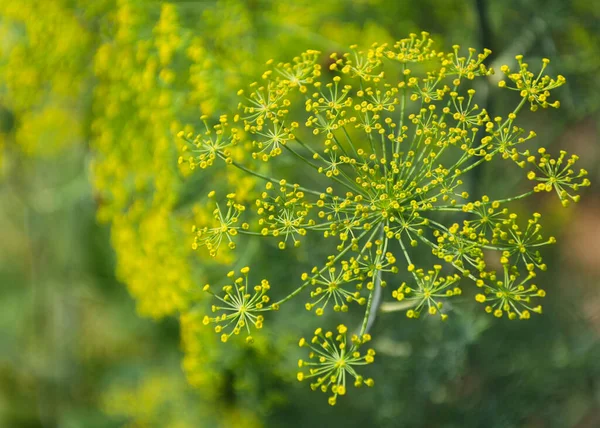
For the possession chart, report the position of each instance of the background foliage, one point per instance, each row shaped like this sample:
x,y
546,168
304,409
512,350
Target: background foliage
x,y
92,200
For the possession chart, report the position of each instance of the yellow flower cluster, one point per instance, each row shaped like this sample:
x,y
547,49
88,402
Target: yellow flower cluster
x,y
200,347
160,398
241,306
153,268
44,73
148,72
151,74
387,156
333,362
134,107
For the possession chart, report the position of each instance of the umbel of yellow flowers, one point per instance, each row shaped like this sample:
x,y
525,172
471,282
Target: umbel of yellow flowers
x,y
392,132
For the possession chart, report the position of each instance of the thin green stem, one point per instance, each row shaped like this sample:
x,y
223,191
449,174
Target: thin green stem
x,y
375,295
402,110
264,177
308,281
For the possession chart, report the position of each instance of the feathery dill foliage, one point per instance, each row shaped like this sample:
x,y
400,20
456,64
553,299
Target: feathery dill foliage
x,y
393,130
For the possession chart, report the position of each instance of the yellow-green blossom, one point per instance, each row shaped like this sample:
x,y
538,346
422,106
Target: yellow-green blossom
x,y
387,159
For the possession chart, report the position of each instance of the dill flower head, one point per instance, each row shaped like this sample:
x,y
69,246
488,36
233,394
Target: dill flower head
x,y
333,361
389,134
240,306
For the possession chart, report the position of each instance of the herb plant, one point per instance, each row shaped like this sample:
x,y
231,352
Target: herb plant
x,y
392,133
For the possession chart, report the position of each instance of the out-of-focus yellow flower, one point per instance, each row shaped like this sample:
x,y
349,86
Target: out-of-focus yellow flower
x,y
160,399
152,263
44,55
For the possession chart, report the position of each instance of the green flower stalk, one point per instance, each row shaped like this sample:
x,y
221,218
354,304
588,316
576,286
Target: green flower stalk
x,y
392,132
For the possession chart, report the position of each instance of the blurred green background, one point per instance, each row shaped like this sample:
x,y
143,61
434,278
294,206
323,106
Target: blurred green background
x,y
99,321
